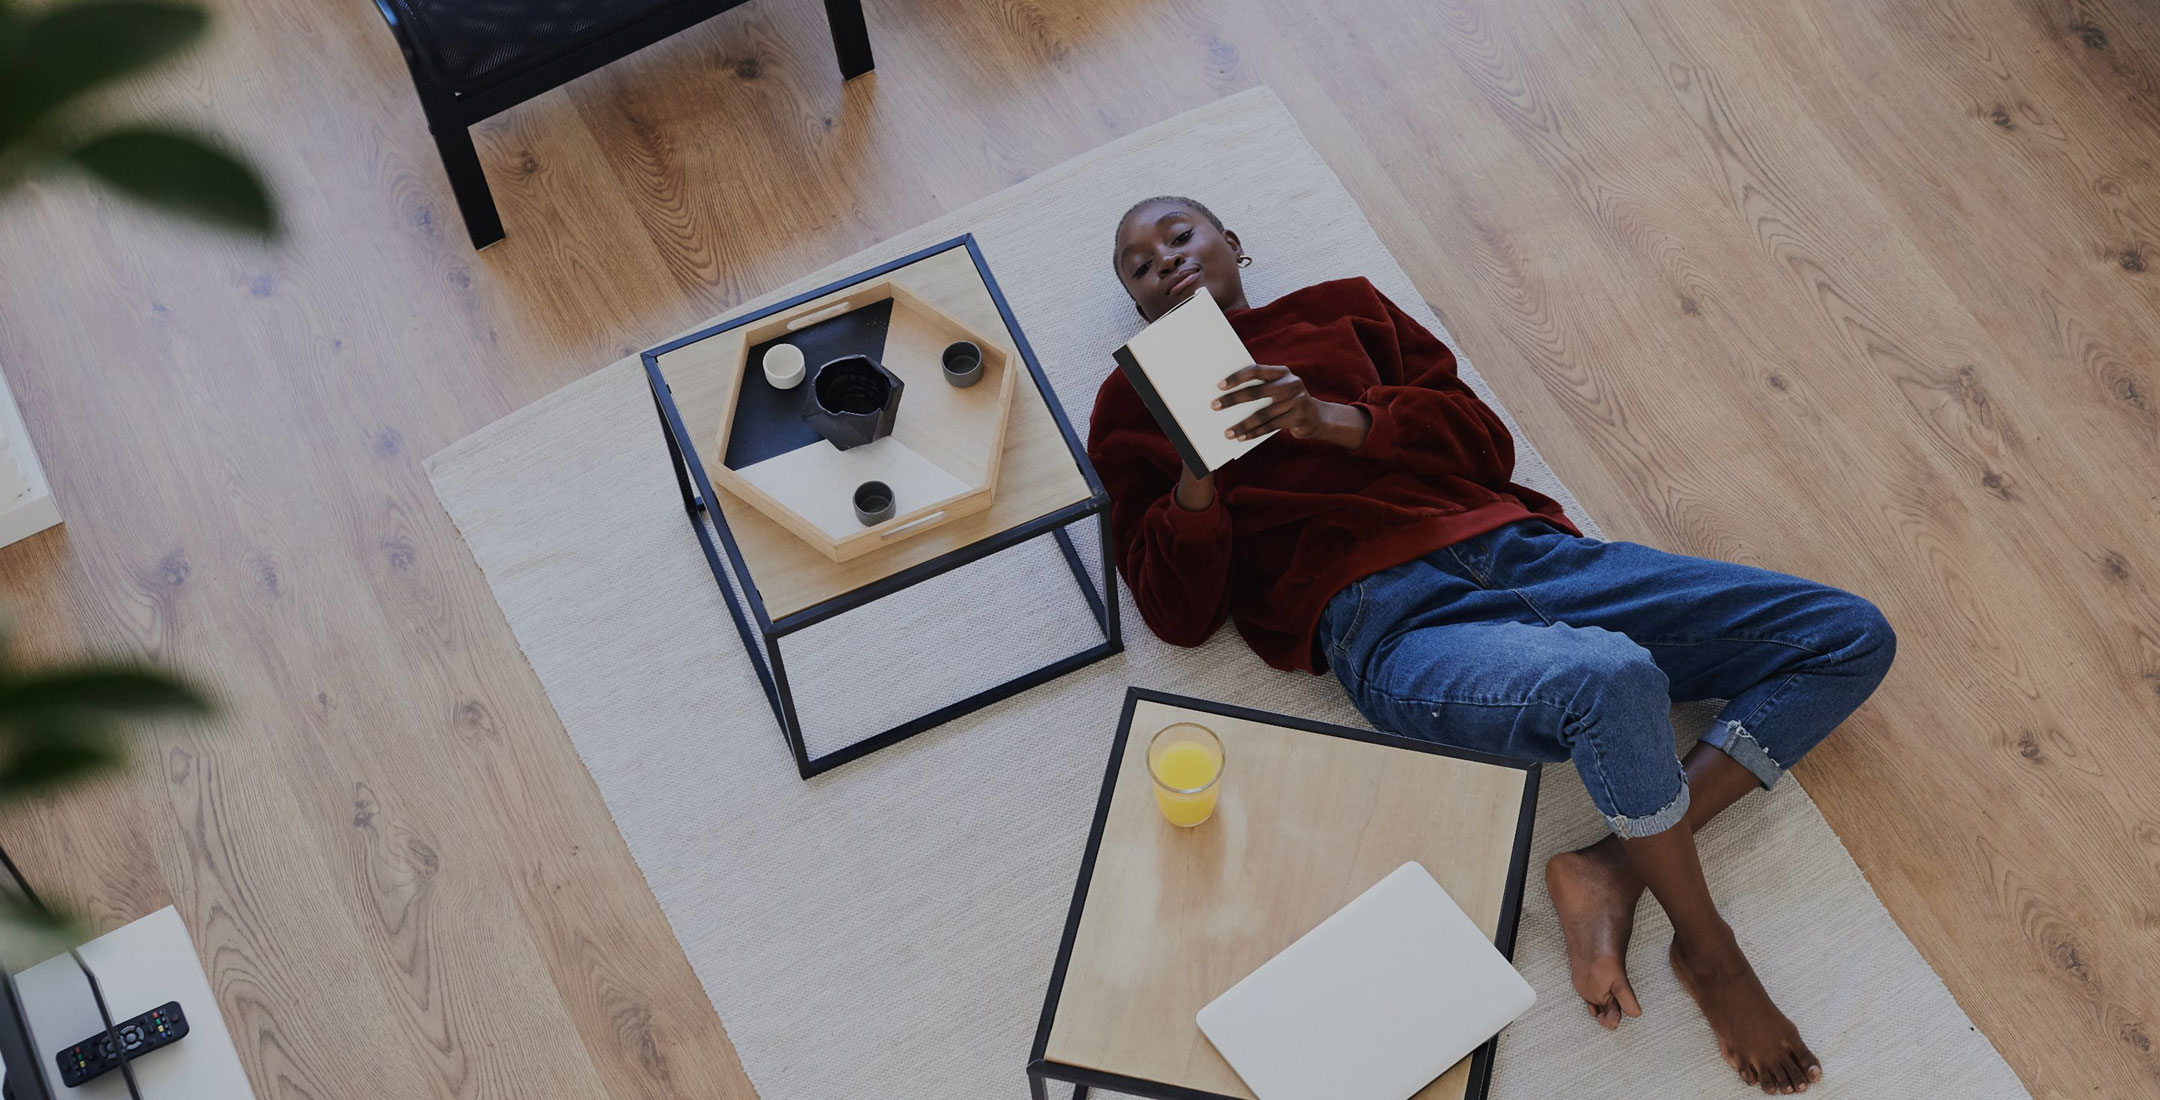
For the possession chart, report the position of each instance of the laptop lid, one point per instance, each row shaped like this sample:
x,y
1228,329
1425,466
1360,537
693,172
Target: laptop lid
x,y
1372,1004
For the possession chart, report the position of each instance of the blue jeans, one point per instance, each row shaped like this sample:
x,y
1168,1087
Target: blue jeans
x,y
1532,643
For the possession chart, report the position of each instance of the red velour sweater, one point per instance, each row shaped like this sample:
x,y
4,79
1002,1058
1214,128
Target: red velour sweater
x,y
1294,521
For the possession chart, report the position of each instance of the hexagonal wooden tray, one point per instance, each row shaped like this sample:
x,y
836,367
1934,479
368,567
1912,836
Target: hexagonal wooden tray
x,y
941,459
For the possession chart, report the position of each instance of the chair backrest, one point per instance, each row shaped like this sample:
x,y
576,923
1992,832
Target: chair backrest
x,y
467,46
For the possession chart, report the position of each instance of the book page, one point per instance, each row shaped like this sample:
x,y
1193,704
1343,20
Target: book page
x,y
1187,353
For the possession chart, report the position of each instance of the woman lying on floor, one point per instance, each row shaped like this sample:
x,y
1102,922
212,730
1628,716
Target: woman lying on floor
x,y
1378,537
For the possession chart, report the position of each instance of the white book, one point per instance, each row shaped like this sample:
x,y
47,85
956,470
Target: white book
x,y
1372,1004
1177,365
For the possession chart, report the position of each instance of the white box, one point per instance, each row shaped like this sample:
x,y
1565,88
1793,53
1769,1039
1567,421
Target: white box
x,y
138,967
35,510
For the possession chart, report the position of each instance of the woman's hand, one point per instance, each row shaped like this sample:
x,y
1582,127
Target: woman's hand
x,y
1292,408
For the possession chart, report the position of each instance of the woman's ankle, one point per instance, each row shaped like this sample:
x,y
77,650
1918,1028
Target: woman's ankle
x,y
1611,855
1707,944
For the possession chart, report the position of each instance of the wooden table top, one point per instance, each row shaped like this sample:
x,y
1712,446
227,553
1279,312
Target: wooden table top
x,y
1037,475
1310,817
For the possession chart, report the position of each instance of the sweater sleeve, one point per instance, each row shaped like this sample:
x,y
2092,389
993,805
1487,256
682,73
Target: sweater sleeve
x,y
1425,418
1177,561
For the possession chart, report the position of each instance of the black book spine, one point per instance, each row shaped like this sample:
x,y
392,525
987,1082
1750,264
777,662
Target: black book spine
x,y
1141,385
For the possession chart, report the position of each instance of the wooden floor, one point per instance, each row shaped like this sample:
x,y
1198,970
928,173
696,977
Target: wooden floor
x,y
1869,293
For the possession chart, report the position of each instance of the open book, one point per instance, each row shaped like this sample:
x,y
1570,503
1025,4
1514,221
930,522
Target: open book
x,y
1176,364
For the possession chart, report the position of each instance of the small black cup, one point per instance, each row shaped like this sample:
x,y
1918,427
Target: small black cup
x,y
963,363
873,503
853,400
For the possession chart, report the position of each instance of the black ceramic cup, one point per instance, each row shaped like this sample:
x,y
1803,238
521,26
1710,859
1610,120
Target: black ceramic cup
x,y
873,503
852,401
963,363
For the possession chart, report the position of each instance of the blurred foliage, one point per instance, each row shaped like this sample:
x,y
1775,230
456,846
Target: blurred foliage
x,y
53,58
66,724
61,725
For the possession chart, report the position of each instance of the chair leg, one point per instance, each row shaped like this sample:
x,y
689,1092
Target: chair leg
x,y
468,183
850,37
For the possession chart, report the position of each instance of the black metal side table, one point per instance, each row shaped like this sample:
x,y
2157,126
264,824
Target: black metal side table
x,y
708,387
1164,919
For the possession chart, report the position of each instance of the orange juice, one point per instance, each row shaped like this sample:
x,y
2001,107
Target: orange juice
x,y
1186,762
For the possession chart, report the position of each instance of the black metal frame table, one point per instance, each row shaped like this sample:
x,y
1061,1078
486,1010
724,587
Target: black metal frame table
x,y
1044,1067
761,632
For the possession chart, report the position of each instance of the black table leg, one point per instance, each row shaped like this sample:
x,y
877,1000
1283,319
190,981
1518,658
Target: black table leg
x,y
850,37
1039,1089
467,183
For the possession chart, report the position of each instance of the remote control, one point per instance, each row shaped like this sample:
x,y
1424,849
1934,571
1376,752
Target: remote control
x,y
140,1036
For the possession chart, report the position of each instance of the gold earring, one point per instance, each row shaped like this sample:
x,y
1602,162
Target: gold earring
x,y
1244,260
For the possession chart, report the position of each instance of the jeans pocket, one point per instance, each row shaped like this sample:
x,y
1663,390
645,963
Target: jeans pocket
x,y
1345,612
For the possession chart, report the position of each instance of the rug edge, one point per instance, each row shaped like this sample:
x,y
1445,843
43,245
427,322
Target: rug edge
x,y
1259,96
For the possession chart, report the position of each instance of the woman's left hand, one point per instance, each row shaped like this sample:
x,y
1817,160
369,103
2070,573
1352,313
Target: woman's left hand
x,y
1292,408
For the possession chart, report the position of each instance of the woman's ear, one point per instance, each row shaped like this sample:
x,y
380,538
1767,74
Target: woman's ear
x,y
1229,237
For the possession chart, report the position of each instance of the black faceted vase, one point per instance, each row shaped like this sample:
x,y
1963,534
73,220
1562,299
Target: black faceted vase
x,y
852,400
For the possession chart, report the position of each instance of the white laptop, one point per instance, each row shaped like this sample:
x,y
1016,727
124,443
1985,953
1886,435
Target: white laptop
x,y
1373,1004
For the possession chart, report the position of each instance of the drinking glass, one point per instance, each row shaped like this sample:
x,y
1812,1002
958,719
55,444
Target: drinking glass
x,y
1186,762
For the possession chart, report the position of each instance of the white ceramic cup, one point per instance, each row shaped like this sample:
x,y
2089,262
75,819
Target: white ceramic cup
x,y
784,366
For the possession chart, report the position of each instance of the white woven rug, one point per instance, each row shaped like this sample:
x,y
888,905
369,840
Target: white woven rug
x,y
887,929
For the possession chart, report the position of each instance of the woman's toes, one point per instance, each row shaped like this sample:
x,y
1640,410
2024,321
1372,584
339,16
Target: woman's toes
x,y
1796,1073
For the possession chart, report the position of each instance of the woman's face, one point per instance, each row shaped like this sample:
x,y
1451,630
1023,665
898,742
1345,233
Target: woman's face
x,y
1166,251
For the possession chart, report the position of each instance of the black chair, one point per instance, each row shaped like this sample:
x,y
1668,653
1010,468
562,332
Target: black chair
x,y
471,59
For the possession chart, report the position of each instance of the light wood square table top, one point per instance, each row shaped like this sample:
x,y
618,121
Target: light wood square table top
x,y
1037,474
1310,815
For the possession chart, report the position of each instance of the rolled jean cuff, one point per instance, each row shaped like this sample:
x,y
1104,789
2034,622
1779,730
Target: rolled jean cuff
x,y
1733,739
1628,828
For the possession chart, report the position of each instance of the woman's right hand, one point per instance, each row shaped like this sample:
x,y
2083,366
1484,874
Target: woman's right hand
x,y
1194,493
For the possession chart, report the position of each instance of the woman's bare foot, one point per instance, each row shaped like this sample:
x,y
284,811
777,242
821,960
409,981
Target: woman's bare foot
x,y
1594,891
1755,1038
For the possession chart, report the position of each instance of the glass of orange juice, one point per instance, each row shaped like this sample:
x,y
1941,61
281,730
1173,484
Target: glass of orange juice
x,y
1186,762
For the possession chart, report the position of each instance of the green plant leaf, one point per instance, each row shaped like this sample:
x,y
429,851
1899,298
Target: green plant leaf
x,y
60,52
30,933
113,691
24,730
181,174
31,768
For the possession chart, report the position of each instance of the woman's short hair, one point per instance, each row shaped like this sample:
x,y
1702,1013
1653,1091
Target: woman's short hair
x,y
1180,200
